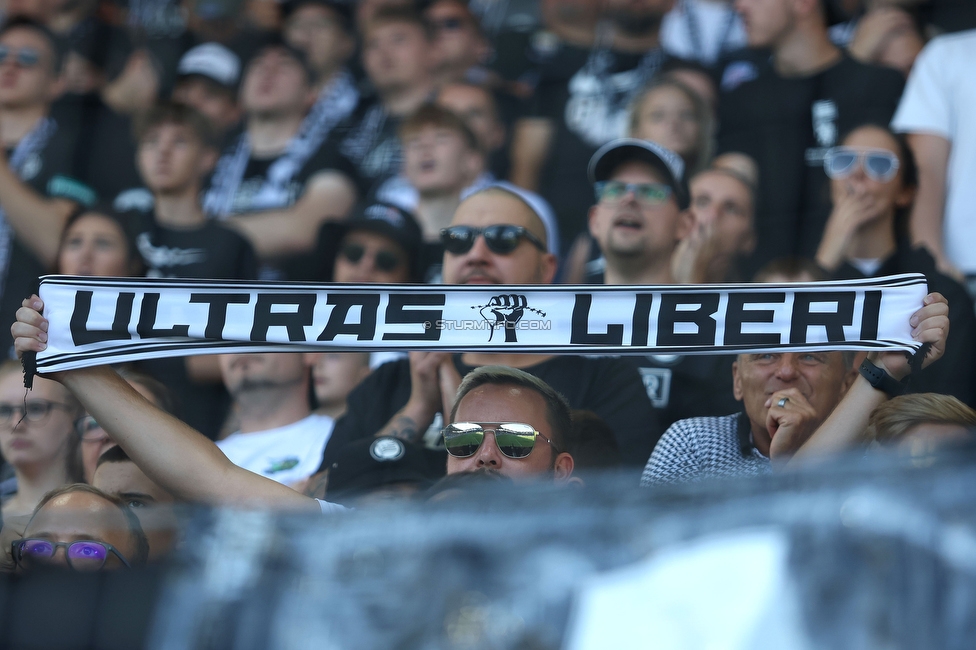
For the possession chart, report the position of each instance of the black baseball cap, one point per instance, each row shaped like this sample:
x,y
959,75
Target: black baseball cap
x,y
366,465
613,154
383,219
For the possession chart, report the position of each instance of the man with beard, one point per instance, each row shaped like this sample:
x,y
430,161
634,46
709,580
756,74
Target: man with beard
x,y
582,103
279,436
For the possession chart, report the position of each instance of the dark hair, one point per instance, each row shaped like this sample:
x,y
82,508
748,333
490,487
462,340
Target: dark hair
x,y
124,222
137,536
274,41
165,112
114,454
57,48
557,408
907,170
440,117
591,442
400,14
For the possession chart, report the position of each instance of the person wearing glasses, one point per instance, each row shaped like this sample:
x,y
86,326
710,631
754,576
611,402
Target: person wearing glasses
x,y
81,528
640,218
37,439
39,176
873,178
499,235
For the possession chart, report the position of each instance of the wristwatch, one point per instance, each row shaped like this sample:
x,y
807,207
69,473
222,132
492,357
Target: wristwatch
x,y
881,380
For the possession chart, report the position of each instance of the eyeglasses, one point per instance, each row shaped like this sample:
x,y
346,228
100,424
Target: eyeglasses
x,y
82,555
447,24
89,430
878,164
35,411
646,193
501,239
25,57
514,439
385,260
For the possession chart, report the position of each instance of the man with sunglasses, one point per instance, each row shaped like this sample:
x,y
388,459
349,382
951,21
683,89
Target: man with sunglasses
x,y
640,217
499,235
38,175
82,528
460,45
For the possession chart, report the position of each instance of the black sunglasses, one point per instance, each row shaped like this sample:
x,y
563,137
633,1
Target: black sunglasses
x,y
501,239
385,260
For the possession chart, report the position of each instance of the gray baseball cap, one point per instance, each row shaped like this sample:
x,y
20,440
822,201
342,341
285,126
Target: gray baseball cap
x,y
615,153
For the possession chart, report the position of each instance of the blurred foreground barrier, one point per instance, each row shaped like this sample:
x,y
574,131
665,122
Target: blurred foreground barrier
x,y
96,321
865,554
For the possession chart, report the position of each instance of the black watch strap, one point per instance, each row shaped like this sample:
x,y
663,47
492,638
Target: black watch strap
x,y
881,380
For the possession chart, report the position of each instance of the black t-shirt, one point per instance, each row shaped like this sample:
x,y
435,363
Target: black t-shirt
x,y
787,124
587,95
51,172
955,373
368,144
609,387
209,251
687,386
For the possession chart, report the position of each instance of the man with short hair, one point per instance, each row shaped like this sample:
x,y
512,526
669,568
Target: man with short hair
x,y
118,476
278,437
461,46
786,111
441,158
39,184
398,58
582,102
785,396
82,528
207,79
275,183
478,107
496,238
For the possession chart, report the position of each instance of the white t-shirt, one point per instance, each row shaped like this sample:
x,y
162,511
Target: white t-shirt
x,y
939,99
287,454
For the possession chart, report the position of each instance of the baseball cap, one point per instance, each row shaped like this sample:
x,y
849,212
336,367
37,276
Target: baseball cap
x,y
365,465
213,61
383,219
613,154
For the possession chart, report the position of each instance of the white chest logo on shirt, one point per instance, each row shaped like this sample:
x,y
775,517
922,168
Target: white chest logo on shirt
x,y
825,122
657,383
386,449
597,107
32,165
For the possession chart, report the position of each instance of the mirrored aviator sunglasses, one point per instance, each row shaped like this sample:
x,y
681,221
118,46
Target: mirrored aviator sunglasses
x,y
514,439
841,162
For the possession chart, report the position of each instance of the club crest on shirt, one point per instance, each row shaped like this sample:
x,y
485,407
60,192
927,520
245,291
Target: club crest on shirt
x,y
386,449
657,383
738,73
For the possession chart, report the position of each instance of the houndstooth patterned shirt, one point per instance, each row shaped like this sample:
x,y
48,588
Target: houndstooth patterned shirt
x,y
700,448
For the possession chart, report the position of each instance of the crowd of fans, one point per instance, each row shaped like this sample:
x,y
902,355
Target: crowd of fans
x,y
499,142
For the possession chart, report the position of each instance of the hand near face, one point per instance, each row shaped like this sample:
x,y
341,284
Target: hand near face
x,y
691,259
791,424
851,211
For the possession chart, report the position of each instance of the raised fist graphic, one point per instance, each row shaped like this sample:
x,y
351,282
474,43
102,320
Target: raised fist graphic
x,y
508,310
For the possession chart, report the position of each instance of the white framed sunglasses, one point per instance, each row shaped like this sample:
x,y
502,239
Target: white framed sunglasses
x,y
879,165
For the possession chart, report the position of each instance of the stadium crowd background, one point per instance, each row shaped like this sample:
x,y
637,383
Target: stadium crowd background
x,y
489,142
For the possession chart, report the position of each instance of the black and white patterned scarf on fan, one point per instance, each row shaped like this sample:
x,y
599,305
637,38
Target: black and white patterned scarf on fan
x,y
336,101
25,162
